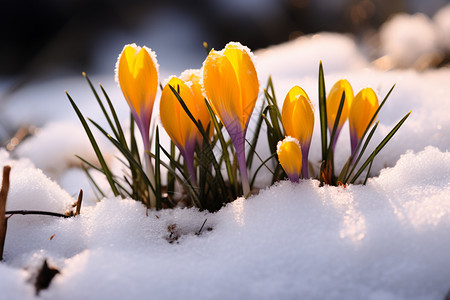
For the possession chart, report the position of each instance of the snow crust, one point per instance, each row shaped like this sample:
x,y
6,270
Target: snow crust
x,y
386,240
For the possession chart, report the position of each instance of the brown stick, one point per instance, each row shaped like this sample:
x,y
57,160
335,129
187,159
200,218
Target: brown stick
x,y
80,199
3,197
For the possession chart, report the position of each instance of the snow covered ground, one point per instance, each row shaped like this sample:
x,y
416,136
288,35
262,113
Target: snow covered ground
x,y
386,240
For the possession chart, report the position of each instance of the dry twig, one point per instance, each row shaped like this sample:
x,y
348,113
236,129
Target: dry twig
x,y
3,196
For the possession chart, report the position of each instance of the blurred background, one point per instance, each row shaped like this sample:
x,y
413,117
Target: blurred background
x,y
48,38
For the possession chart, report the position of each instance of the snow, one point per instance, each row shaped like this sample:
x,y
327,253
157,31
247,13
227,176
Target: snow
x,y
386,240
414,40
442,21
406,38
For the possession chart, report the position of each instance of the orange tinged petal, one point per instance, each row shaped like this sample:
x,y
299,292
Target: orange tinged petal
x,y
176,122
298,115
334,99
221,87
137,75
363,108
246,75
290,157
231,84
200,112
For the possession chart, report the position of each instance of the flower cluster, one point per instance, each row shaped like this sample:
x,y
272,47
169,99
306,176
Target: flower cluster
x,y
228,81
194,108
340,104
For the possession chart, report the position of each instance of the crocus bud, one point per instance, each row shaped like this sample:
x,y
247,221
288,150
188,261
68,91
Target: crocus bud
x,y
290,157
177,123
297,116
231,85
192,79
362,110
333,101
137,75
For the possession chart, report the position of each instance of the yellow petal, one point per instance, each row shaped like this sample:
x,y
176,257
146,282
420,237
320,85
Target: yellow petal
x,y
137,74
290,156
176,122
231,84
363,108
192,79
240,58
334,99
297,115
222,88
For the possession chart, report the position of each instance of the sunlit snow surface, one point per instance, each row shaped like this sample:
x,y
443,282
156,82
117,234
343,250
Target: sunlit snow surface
x,y
386,240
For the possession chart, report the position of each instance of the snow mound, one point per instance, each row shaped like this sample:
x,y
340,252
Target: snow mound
x,y
442,21
386,240
54,146
31,189
308,51
408,38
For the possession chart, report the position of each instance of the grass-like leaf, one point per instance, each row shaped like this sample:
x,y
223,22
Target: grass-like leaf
x,y
94,144
366,143
255,138
170,177
205,136
263,164
368,172
372,120
127,154
157,171
336,123
225,154
379,147
94,183
119,135
183,180
323,112
330,155
99,101
92,166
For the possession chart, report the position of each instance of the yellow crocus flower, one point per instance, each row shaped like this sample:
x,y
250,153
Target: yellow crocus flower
x,y
177,123
362,110
137,75
297,116
290,157
231,85
333,101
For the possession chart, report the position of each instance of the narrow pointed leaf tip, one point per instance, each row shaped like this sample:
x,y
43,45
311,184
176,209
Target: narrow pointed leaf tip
x,y
333,100
290,157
